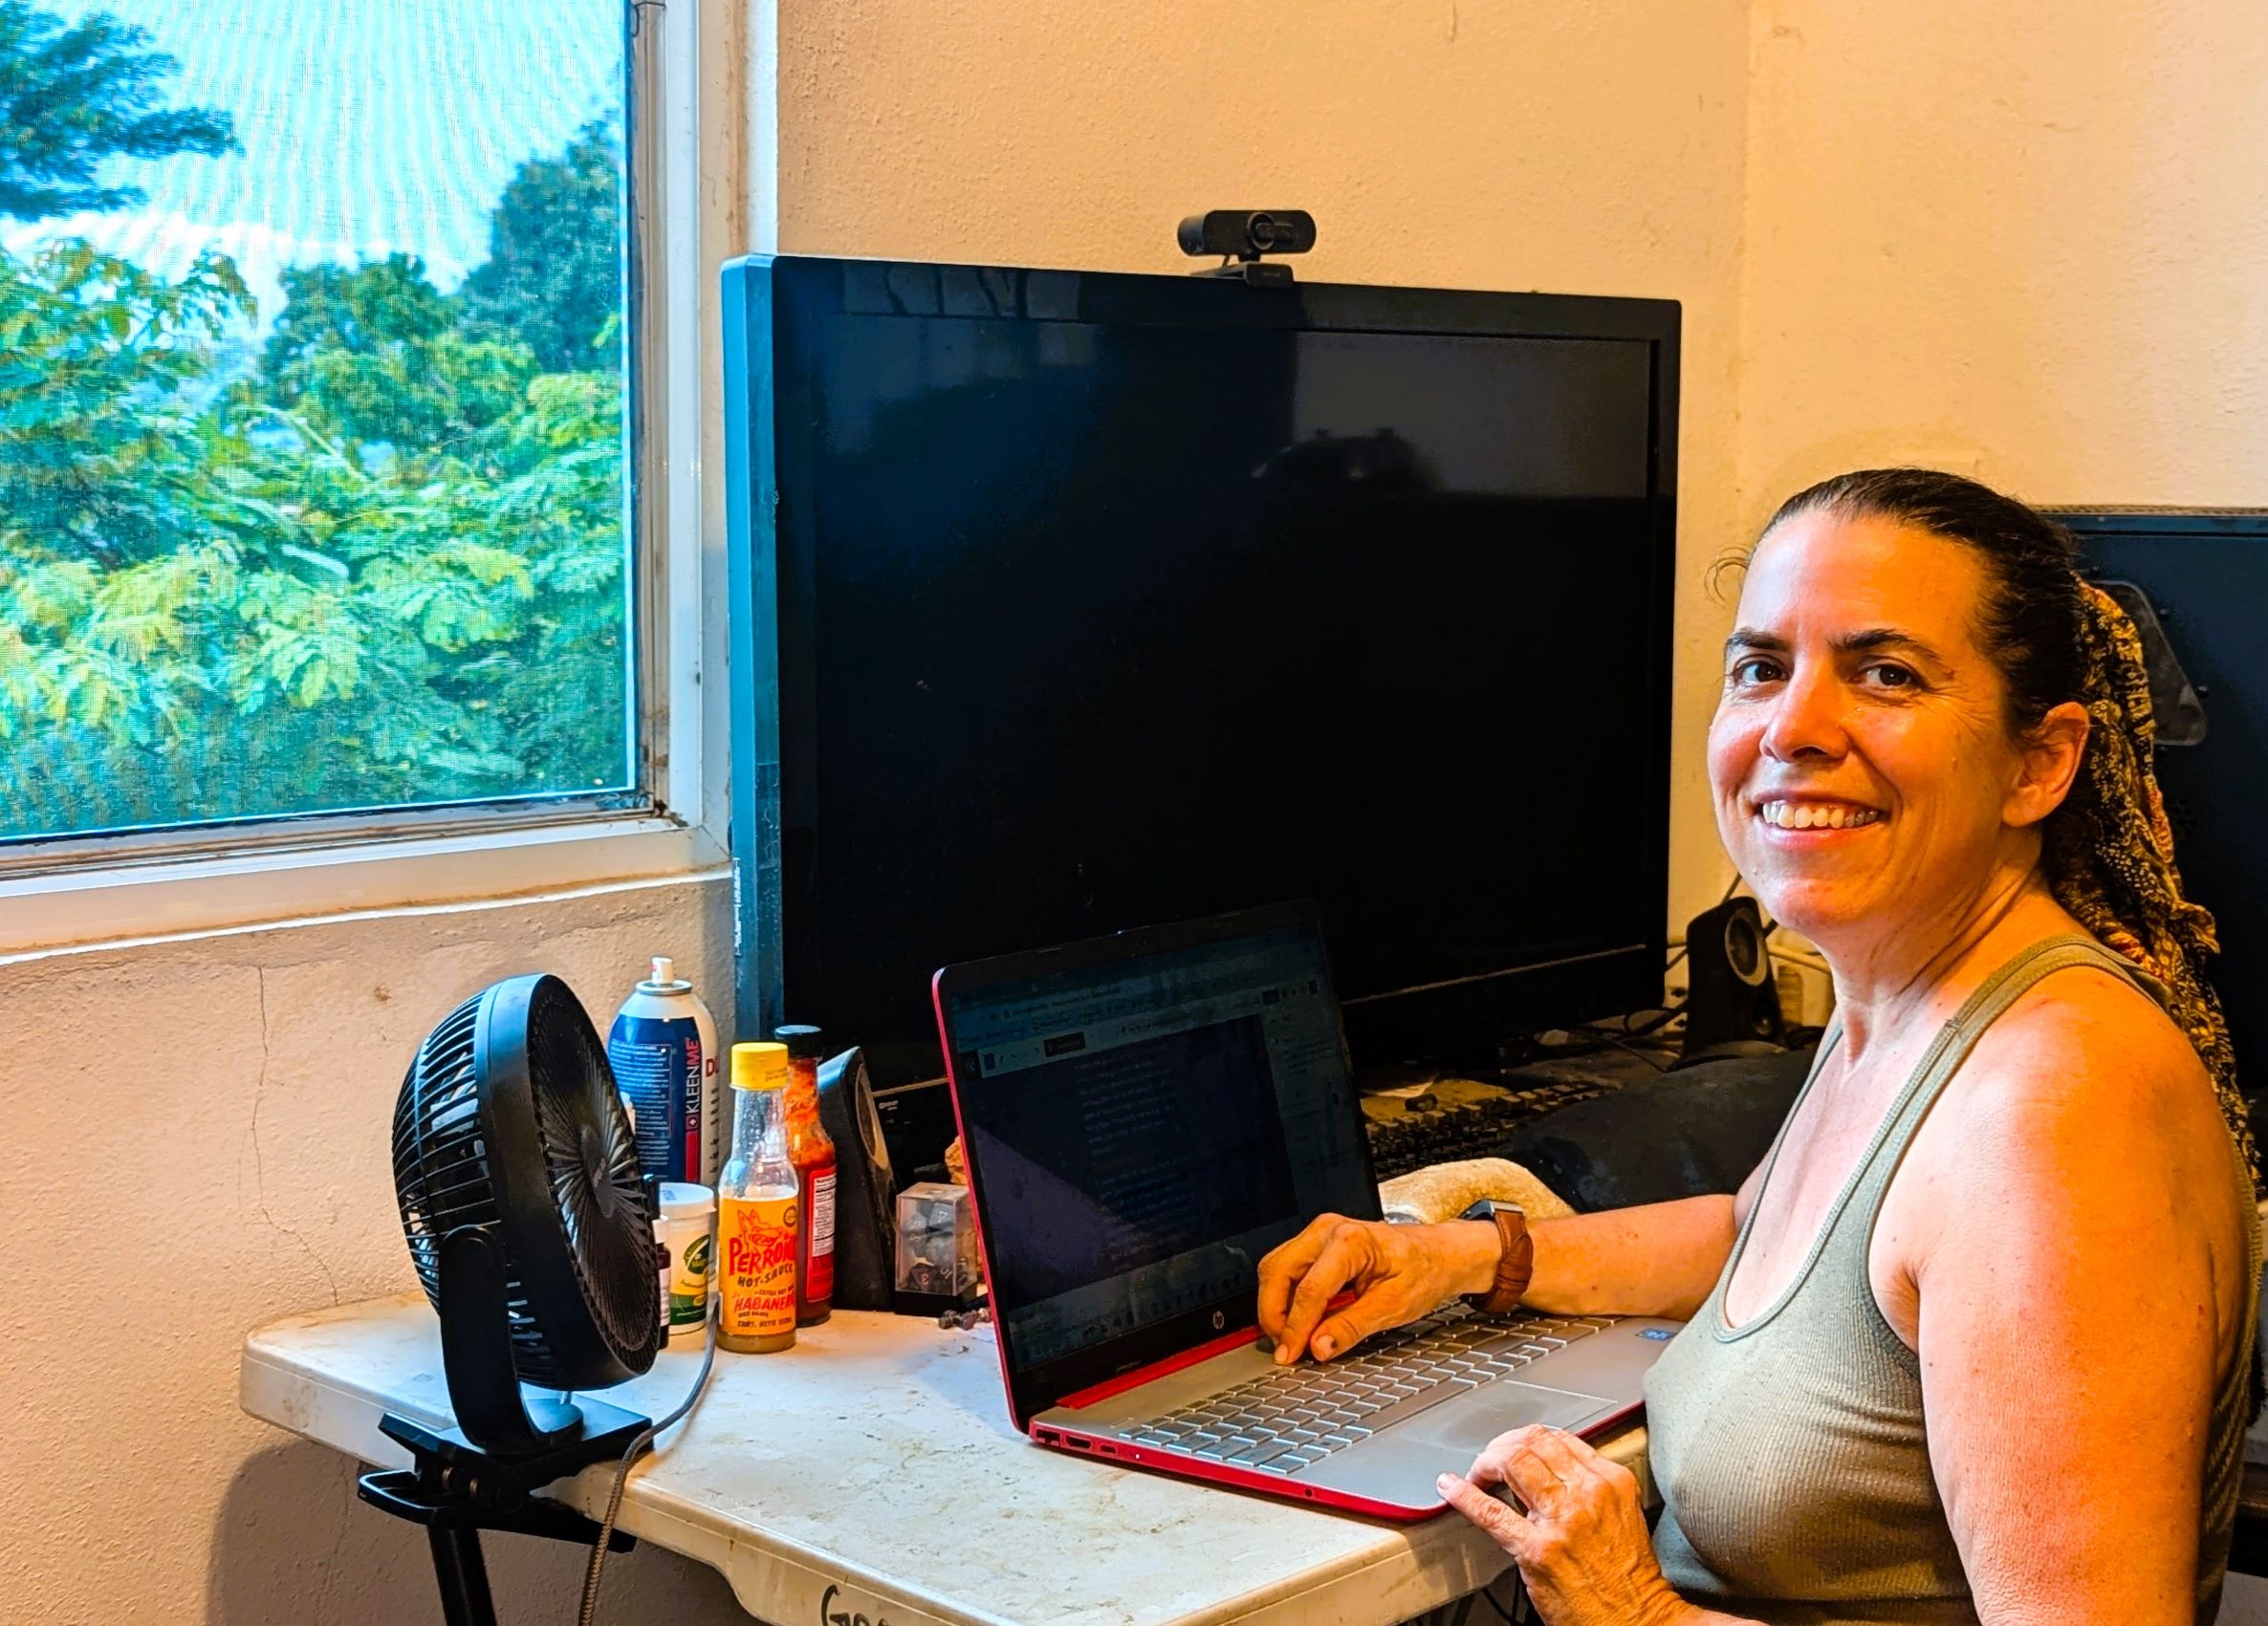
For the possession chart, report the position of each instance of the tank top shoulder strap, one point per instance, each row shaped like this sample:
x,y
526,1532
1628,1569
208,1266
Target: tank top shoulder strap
x,y
2016,977
2013,979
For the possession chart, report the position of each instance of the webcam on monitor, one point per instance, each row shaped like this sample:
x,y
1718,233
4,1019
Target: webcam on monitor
x,y
1241,236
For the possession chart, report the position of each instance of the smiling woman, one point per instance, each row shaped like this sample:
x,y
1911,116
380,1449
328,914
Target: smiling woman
x,y
1897,1397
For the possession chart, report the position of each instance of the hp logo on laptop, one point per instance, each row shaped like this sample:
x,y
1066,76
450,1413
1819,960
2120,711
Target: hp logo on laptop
x,y
1220,1319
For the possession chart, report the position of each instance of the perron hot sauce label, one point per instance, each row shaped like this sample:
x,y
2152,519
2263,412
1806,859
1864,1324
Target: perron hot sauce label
x,y
757,1264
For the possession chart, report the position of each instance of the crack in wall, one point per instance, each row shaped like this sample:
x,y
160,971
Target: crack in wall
x,y
259,1157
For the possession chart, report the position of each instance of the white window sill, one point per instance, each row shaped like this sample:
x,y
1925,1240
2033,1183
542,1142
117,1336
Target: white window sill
x,y
138,904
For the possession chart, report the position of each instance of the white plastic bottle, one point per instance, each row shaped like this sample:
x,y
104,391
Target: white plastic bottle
x,y
666,1062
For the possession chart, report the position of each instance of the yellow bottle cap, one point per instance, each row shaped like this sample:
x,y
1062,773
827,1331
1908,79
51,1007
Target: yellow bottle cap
x,y
759,1065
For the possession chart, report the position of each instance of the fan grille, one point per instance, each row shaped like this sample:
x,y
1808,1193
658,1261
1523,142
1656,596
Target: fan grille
x,y
441,1165
508,1119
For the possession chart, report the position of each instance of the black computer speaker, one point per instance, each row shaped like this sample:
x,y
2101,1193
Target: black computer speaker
x,y
1729,975
865,1194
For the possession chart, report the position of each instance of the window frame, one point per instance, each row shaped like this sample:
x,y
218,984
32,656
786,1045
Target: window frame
x,y
135,883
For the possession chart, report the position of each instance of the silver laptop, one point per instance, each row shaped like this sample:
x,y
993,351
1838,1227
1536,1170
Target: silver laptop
x,y
1145,1117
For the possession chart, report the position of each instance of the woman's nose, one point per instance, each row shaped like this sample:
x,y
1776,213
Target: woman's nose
x,y
1806,718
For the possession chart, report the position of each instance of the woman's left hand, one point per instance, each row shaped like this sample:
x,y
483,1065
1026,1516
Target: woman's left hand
x,y
1582,1543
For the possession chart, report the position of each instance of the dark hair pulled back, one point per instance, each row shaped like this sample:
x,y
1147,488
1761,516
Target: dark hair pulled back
x,y
2108,850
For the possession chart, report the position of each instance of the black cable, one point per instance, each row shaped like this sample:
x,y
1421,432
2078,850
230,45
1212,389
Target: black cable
x,y
622,1475
1660,1019
1632,1050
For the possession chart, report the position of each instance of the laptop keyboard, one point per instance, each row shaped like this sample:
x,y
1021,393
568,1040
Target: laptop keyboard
x,y
1296,1416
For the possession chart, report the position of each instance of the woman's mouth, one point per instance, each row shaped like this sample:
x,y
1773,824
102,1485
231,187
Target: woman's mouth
x,y
1783,814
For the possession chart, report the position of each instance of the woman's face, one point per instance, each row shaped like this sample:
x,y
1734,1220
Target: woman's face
x,y
1865,781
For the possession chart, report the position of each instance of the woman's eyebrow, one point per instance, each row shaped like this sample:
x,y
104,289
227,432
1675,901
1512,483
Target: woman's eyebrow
x,y
1876,640
1873,640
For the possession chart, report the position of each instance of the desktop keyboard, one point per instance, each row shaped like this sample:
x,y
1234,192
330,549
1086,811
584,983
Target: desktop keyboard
x,y
1478,1128
1298,1415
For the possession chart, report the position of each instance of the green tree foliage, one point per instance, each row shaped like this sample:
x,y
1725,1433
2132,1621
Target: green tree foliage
x,y
384,565
236,610
554,276
94,354
72,96
373,354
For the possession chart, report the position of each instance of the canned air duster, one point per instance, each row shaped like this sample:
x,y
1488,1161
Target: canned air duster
x,y
663,1049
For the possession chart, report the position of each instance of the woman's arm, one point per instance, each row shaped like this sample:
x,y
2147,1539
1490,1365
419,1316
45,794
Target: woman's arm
x,y
2069,1309
1660,1259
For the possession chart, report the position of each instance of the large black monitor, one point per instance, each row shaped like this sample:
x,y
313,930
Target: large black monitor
x,y
1068,602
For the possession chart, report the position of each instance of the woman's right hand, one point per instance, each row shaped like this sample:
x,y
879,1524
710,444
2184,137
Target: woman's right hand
x,y
1398,1274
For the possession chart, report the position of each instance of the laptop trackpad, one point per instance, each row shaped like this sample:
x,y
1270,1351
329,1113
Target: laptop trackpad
x,y
1473,1421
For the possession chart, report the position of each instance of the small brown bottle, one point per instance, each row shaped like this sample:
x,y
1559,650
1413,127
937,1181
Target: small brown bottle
x,y
813,1153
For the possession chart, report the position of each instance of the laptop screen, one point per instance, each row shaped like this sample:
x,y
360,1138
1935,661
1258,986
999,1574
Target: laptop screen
x,y
1142,1128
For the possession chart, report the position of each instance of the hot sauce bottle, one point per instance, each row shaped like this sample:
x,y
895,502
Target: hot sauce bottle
x,y
759,1212
813,1154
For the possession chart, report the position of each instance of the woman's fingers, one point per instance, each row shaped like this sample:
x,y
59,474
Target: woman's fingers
x,y
1531,1478
1344,1254
1510,1532
1374,1311
1488,1469
1545,1466
1282,1270
1575,1460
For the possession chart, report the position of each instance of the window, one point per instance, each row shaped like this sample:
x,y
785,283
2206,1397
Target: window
x,y
316,413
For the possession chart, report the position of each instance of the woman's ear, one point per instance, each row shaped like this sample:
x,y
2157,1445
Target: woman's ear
x,y
2050,761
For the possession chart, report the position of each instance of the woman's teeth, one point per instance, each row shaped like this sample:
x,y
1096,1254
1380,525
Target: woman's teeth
x,y
1814,815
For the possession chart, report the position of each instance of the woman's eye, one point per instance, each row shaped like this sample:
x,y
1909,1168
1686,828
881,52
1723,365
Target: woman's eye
x,y
1892,677
1755,670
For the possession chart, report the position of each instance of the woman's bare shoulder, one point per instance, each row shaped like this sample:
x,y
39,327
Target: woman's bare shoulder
x,y
2085,1088
2085,1038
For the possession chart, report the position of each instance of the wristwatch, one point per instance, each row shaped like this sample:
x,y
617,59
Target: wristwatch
x,y
1513,1265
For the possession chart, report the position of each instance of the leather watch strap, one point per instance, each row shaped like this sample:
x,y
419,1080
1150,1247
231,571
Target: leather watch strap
x,y
1514,1266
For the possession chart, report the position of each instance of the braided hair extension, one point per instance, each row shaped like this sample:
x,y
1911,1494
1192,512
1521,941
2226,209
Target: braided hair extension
x,y
2110,853
2109,849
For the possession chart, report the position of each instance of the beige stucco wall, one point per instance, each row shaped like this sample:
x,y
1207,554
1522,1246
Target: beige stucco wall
x,y
198,1143
2027,240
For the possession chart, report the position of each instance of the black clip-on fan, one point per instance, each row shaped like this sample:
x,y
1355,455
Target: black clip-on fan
x,y
533,1233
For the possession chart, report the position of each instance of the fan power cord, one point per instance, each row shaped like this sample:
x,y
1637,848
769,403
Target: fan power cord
x,y
639,1446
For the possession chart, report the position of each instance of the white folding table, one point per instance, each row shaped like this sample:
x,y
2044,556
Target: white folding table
x,y
871,1473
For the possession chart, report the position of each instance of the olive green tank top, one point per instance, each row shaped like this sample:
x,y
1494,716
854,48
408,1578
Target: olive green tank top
x,y
1790,1452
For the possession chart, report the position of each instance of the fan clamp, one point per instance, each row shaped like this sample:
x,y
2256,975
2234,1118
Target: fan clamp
x,y
481,1474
